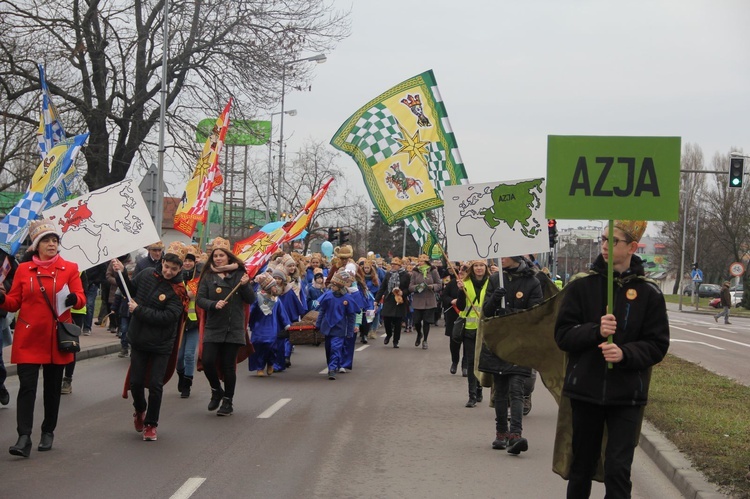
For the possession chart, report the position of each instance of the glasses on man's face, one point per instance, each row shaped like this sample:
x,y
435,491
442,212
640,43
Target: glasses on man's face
x,y
615,240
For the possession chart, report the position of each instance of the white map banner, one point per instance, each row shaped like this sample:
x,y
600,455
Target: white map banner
x,y
103,224
496,219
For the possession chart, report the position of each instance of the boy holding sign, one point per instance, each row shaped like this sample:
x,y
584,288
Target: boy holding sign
x,y
600,396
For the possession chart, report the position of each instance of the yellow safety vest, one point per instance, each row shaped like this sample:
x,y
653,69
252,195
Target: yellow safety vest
x,y
471,313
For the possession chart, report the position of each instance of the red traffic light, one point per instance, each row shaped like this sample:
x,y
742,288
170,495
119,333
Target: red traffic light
x,y
551,223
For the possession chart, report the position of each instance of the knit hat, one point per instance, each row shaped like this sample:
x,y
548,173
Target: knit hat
x,y
40,228
318,272
481,262
178,249
220,243
265,281
344,251
278,273
285,260
154,246
341,278
633,228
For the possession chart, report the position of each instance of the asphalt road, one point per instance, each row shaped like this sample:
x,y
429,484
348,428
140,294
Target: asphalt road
x,y
395,426
723,349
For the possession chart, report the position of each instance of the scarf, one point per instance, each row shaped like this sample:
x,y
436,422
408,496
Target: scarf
x,y
265,302
45,263
224,268
424,269
394,280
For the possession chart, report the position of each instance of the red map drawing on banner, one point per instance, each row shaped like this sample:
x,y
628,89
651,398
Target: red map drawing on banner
x,y
74,216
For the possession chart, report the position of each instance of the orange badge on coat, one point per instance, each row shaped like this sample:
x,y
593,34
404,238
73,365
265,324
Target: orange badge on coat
x,y
162,297
519,295
218,290
631,294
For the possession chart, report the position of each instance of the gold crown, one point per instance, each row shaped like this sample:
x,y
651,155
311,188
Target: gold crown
x,y
633,228
220,243
412,101
178,249
156,245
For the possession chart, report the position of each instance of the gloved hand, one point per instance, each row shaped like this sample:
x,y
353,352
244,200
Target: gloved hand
x,y
70,300
498,295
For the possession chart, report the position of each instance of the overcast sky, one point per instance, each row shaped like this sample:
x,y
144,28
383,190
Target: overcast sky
x,y
511,73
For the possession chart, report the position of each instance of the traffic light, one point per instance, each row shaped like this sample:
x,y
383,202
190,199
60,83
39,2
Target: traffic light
x,y
736,172
333,234
343,236
552,226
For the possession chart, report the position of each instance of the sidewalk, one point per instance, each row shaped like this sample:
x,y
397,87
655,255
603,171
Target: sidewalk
x,y
99,343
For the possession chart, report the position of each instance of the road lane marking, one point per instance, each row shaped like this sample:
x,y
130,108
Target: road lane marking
x,y
714,337
273,409
188,488
698,343
361,348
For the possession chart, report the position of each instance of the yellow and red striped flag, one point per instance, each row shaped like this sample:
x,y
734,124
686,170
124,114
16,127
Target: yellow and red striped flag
x,y
193,207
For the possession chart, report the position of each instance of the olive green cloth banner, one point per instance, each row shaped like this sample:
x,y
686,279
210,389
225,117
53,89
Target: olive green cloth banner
x,y
607,178
240,132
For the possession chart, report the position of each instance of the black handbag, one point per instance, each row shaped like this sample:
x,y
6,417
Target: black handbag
x,y
67,332
457,332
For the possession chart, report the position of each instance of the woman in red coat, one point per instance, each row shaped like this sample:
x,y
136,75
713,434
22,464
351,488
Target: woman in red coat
x,y
35,338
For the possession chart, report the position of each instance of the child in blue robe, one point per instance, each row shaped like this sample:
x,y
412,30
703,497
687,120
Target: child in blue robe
x,y
267,319
335,305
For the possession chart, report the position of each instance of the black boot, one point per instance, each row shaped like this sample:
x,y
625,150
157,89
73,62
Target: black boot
x,y
226,407
216,396
22,447
187,382
46,442
180,381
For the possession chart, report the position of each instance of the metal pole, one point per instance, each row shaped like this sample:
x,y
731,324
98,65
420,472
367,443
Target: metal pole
x,y
403,251
682,255
281,139
270,173
162,118
696,298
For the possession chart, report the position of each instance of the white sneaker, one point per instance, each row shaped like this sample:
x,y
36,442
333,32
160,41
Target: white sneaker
x,y
342,370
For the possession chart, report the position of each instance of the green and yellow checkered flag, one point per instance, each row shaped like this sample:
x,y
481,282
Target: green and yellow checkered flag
x,y
404,146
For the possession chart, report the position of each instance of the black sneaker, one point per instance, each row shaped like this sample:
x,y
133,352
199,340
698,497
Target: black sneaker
x,y
465,372
216,396
331,374
4,395
517,444
226,408
479,396
454,367
471,403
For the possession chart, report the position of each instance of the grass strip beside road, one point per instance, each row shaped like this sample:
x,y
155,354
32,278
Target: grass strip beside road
x,y
707,417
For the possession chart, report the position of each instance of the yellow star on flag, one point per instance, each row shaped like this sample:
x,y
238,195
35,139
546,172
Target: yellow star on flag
x,y
413,146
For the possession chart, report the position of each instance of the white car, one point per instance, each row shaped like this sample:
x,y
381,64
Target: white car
x,y
736,293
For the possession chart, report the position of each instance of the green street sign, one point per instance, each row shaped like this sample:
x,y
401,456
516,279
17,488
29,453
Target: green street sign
x,y
595,177
240,133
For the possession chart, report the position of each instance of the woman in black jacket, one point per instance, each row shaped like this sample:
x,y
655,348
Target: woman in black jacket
x,y
392,293
225,328
448,299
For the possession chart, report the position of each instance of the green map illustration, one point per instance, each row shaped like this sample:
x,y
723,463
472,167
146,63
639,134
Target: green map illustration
x,y
504,218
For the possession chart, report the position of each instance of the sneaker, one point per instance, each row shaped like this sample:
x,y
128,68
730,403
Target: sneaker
x,y
261,373
465,372
342,370
67,386
86,331
138,420
517,444
728,323
716,318
331,374
501,441
226,408
124,352
269,369
424,345
149,433
395,345
387,340
471,403
4,395
526,405
216,396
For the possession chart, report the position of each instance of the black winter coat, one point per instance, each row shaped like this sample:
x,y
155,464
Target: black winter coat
x,y
390,307
523,291
642,334
154,322
450,293
229,324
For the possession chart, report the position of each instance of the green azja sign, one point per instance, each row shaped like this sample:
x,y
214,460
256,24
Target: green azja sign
x,y
592,177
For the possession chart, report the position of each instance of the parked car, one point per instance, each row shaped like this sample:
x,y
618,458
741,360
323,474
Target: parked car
x,y
736,293
704,291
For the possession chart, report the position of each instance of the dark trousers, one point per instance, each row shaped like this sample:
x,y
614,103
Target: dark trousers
x,y
469,344
154,366
622,423
505,384
422,319
224,356
91,293
393,328
28,377
104,305
364,328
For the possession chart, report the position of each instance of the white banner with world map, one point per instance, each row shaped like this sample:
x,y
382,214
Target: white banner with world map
x,y
103,224
496,219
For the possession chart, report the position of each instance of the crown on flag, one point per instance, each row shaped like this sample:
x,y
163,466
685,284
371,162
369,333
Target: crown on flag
x,y
412,101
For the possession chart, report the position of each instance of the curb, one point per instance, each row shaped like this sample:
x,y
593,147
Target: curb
x,y
690,482
86,353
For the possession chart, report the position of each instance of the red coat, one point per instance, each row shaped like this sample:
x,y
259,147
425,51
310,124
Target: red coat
x,y
35,336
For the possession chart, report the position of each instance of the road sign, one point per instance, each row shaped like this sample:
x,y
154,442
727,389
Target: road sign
x,y
736,269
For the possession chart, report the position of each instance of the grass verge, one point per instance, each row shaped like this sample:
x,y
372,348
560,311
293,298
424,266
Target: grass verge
x,y
707,417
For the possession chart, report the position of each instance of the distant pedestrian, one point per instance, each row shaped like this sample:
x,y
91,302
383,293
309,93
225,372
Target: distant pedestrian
x,y
601,396
392,294
726,302
424,283
469,302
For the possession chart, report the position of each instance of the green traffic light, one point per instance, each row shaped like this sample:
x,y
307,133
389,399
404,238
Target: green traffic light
x,y
735,181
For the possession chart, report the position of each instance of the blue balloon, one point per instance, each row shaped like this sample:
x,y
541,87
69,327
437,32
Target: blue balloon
x,y
326,248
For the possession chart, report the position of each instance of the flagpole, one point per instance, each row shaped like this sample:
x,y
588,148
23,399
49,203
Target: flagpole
x,y
162,118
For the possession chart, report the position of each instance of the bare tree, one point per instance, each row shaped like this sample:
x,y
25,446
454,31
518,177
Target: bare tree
x,y
104,64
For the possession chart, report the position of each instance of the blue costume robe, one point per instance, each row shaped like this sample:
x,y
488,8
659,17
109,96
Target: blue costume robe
x,y
265,328
333,323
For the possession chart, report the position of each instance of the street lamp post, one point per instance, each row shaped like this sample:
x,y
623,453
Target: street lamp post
x,y
320,58
291,112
